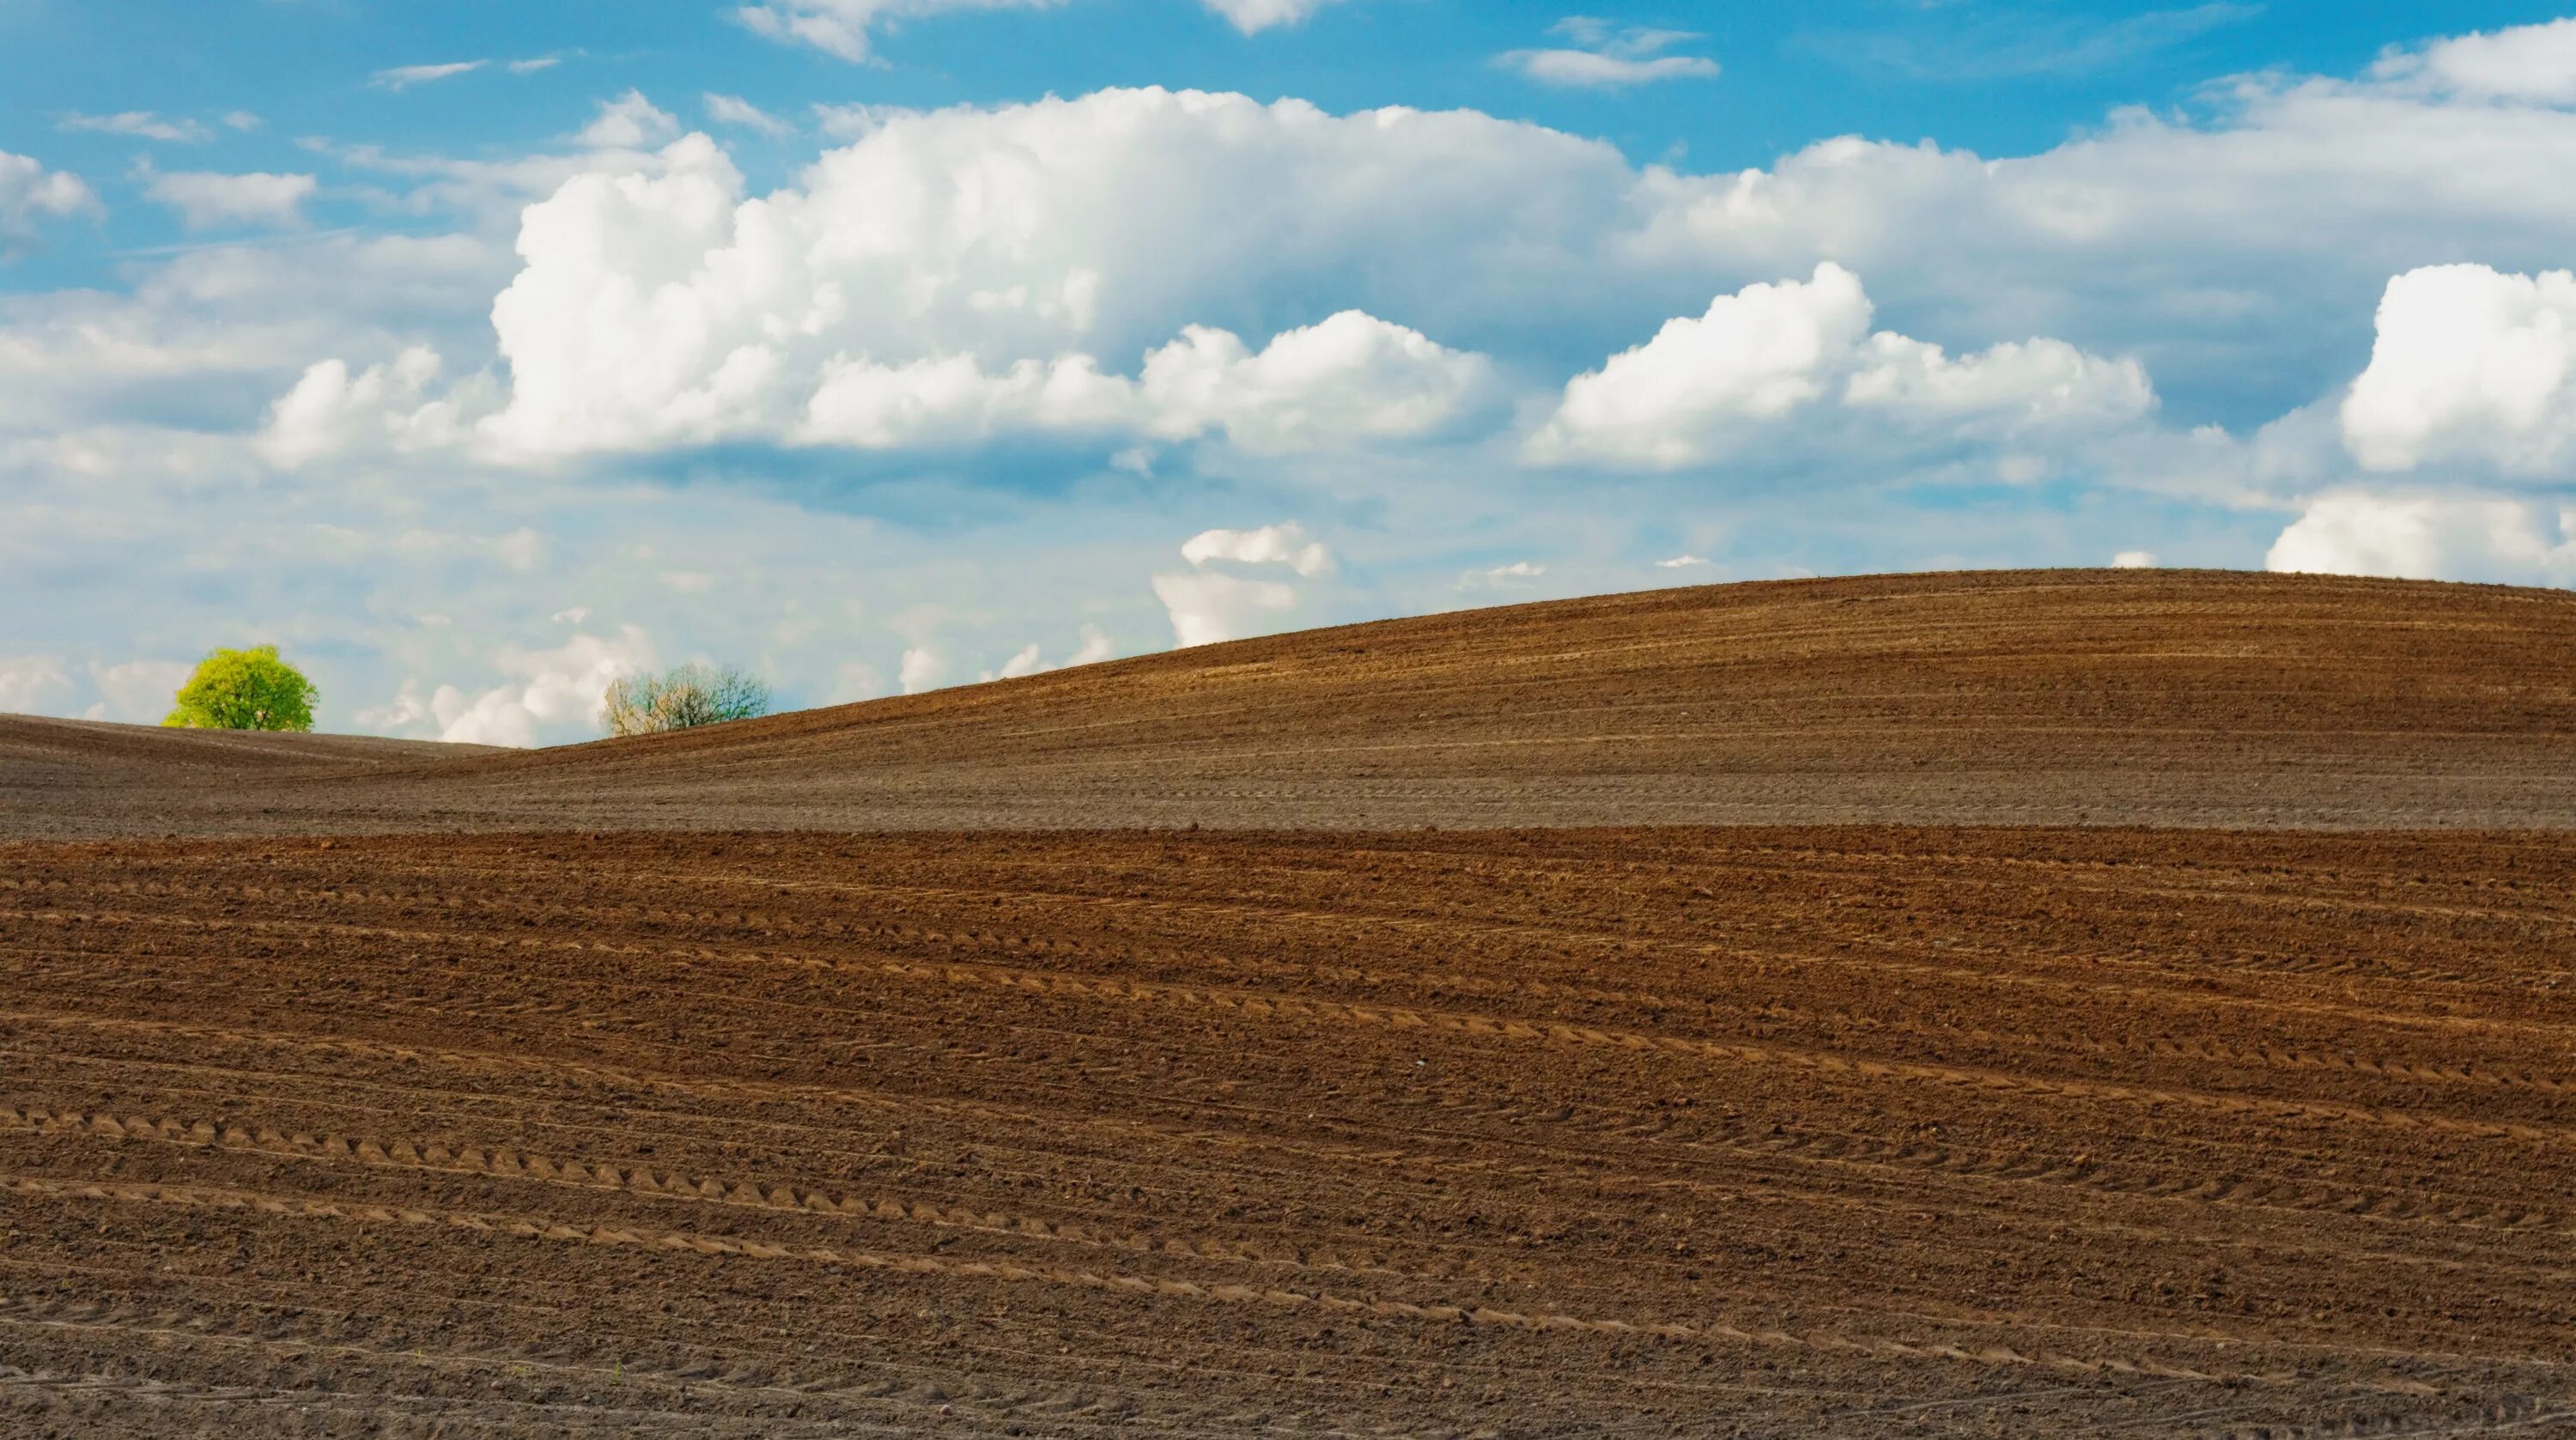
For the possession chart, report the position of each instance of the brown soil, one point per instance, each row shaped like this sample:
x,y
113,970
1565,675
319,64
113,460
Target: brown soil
x,y
2062,697
1824,1132
688,1107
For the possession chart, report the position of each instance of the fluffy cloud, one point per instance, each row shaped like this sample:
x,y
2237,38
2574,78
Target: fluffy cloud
x,y
1030,660
1348,379
2431,537
1351,377
922,668
1283,544
1608,58
662,304
207,200
659,308
382,408
629,122
29,193
137,691
1755,355
2139,560
32,684
2473,365
1703,384
2524,62
552,695
1210,602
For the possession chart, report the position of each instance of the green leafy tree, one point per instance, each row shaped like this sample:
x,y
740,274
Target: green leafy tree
x,y
681,697
245,690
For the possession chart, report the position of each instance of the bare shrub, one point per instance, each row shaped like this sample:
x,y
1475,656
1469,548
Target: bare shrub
x,y
682,697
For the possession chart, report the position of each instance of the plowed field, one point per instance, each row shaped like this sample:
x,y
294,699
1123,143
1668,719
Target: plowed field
x,y
1829,1132
2011,698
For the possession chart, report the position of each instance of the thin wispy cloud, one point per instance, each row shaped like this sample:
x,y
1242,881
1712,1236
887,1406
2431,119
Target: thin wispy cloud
x,y
403,77
206,200
734,110
142,125
2005,44
1603,56
848,28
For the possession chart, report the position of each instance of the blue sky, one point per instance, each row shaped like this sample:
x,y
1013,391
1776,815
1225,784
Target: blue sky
x,y
476,353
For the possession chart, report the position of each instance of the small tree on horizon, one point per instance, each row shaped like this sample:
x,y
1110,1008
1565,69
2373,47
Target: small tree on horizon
x,y
244,690
682,698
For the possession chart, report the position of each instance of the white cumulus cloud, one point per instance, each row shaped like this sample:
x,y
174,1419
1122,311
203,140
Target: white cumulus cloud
x,y
1210,602
1348,379
32,684
1030,659
922,668
2469,364
1282,544
550,695
137,692
1704,383
663,306
629,122
2431,537
30,193
2522,62
385,407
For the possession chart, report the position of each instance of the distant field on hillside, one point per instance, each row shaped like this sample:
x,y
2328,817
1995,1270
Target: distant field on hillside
x,y
2053,697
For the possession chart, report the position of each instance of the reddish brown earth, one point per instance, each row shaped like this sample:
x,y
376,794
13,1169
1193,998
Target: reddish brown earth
x,y
1836,1132
2052,697
1856,1130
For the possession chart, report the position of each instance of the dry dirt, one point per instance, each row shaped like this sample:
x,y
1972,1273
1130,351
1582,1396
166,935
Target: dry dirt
x,y
2057,697
1840,1132
712,1089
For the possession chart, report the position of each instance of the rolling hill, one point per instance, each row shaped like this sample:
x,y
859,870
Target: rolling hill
x,y
2136,697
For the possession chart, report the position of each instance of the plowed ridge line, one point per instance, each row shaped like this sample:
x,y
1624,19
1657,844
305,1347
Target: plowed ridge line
x,y
1881,966
775,1197
539,1228
1270,1006
1908,1158
1265,1006
2269,1057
